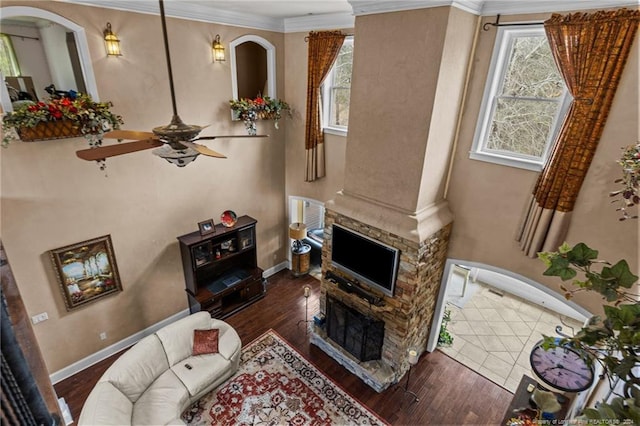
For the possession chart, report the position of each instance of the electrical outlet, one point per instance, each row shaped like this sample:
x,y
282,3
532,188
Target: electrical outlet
x,y
103,335
39,318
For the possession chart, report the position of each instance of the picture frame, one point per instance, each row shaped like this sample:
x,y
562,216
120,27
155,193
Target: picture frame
x,y
207,227
86,271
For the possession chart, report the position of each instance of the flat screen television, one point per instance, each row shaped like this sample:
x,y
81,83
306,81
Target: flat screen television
x,y
368,260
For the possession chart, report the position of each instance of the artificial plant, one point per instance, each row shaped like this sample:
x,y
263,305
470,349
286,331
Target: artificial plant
x,y
613,340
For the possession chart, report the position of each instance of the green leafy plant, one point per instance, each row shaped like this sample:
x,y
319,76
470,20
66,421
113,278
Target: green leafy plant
x,y
612,341
445,338
88,116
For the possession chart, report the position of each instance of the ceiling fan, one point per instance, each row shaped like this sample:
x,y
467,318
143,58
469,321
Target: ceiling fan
x,y
175,142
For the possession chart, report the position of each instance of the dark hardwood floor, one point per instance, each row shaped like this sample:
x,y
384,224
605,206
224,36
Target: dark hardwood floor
x,y
449,392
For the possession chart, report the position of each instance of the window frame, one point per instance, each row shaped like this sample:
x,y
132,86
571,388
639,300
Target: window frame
x,y
502,49
327,99
12,57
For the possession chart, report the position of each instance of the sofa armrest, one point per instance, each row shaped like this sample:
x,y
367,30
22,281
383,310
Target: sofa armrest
x,y
106,405
229,343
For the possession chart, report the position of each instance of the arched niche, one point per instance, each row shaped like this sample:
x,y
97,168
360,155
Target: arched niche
x,y
253,61
80,40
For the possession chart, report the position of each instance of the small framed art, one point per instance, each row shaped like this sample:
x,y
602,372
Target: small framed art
x,y
86,271
207,227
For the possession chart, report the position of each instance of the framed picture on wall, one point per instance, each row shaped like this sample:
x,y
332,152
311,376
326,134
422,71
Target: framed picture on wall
x,y
86,271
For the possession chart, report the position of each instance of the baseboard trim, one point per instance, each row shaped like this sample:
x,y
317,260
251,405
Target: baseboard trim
x,y
275,269
96,357
112,349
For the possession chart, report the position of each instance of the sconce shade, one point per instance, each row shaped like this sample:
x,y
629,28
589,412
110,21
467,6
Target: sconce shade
x,y
218,49
111,42
297,231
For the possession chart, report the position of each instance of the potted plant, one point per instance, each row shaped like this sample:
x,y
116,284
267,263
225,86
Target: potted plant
x,y
612,341
62,117
260,108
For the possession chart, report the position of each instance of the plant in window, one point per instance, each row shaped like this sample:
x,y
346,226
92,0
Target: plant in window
x,y
79,112
264,108
629,195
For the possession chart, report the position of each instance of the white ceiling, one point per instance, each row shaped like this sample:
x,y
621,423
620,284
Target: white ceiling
x,y
305,15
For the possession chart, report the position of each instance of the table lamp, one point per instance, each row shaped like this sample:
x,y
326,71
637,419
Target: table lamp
x,y
297,232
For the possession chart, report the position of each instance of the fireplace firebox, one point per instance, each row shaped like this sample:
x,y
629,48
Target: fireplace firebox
x,y
358,334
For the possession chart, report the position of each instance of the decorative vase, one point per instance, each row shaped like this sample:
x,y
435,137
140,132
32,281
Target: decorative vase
x,y
45,130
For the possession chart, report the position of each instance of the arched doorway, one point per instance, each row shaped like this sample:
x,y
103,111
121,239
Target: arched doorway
x,y
496,316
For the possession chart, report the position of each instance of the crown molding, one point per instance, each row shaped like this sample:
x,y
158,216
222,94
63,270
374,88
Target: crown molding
x,y
505,7
194,12
329,21
206,13
486,7
368,7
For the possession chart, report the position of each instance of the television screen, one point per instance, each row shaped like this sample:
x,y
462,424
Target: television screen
x,y
368,260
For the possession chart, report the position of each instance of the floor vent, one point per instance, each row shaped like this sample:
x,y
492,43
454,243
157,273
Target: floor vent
x,y
498,292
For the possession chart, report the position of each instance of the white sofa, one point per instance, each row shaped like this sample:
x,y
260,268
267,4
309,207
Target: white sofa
x,y
150,384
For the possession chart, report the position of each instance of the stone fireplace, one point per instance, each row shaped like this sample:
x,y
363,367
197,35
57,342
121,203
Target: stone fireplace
x,y
406,316
403,127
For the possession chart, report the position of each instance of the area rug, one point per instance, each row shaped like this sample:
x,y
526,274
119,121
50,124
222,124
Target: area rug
x,y
276,385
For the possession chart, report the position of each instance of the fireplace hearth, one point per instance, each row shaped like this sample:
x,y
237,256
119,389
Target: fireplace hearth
x,y
359,334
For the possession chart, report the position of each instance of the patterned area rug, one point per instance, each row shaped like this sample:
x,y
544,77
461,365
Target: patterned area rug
x,y
276,385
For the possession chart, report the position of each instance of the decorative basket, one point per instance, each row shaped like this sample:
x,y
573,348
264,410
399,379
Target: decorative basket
x,y
49,130
264,115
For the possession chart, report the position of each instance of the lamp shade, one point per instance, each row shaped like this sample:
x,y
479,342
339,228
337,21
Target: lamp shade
x,y
218,49
297,231
111,42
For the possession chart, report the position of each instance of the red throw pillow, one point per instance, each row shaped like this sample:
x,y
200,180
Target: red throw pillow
x,y
205,341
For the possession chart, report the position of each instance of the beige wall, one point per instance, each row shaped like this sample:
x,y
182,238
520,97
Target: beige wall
x,y
50,198
488,200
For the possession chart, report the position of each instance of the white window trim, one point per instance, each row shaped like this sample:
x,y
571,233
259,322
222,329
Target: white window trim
x,y
497,68
338,131
327,128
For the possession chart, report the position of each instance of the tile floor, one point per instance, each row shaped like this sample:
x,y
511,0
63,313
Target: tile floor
x,y
493,334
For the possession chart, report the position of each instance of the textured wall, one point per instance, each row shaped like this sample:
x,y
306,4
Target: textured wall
x,y
50,198
488,200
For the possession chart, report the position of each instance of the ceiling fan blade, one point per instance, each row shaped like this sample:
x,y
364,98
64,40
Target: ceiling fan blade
x,y
203,149
230,136
129,134
103,152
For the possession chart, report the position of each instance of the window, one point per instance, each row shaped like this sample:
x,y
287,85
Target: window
x,y
8,61
336,91
524,102
307,211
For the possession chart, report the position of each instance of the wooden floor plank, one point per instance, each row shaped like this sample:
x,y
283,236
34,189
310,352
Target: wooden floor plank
x,y
449,392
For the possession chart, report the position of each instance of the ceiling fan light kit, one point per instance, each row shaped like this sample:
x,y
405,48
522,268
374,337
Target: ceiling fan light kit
x,y
180,157
176,141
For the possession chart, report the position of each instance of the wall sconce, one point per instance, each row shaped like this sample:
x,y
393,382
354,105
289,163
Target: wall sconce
x,y
218,49
111,41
